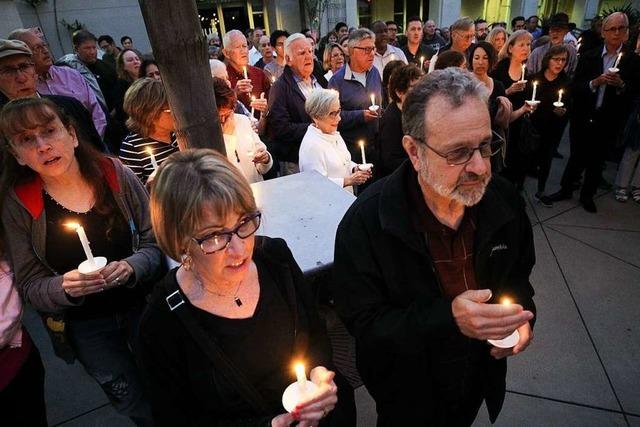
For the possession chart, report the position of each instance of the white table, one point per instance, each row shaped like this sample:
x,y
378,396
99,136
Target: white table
x,y
304,209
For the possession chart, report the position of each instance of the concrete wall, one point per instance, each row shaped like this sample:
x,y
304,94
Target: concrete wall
x,y
113,17
472,8
288,15
9,17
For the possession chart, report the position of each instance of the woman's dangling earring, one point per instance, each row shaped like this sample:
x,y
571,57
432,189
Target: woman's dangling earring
x,y
186,262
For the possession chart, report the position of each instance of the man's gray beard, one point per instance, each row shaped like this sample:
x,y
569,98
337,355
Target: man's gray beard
x,y
468,197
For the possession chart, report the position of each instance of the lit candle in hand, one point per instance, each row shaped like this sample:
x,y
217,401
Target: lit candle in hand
x,y
535,88
559,102
253,109
615,65
508,341
83,240
560,96
154,163
364,159
524,66
244,71
373,100
421,62
301,376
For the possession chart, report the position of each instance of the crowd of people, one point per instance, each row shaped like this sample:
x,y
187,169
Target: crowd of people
x,y
435,241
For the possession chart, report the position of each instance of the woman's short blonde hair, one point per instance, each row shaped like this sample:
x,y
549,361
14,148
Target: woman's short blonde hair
x,y
143,102
318,104
491,37
512,40
326,56
189,185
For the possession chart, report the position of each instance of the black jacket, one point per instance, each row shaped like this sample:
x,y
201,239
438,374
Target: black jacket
x,y
389,141
409,350
287,121
186,388
617,102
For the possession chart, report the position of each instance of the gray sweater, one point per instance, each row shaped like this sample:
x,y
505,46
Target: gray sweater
x,y
24,222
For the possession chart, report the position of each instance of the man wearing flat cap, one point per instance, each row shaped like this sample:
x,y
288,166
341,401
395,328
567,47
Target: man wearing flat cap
x,y
18,80
558,28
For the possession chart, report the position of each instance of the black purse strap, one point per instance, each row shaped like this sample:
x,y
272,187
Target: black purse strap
x,y
211,348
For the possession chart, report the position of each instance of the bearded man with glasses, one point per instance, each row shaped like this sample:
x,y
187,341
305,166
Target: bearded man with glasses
x,y
423,257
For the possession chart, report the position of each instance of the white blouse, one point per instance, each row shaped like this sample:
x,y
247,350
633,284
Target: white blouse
x,y
241,147
327,154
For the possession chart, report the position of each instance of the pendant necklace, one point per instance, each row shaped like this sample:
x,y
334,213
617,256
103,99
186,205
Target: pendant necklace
x,y
236,298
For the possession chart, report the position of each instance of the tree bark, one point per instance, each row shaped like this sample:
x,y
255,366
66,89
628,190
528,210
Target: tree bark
x,y
180,49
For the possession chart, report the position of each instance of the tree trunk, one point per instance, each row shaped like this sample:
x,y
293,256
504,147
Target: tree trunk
x,y
180,49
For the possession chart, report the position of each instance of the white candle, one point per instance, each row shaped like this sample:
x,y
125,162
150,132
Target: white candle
x,y
523,72
300,375
84,241
373,100
244,70
253,109
364,159
421,62
560,96
154,163
615,65
535,88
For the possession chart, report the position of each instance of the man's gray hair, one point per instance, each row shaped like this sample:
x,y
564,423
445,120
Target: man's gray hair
x,y
218,69
289,40
228,36
608,18
19,33
453,84
319,103
356,36
462,24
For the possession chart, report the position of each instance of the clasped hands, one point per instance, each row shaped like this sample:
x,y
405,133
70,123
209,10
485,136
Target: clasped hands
x,y
114,274
309,412
482,321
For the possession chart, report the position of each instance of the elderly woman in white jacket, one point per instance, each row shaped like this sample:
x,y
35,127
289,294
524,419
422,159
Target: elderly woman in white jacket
x,y
322,148
244,148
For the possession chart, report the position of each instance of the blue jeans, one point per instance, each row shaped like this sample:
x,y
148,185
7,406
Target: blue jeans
x,y
104,347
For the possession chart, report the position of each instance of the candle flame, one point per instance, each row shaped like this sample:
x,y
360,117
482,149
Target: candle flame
x,y
361,144
71,225
149,150
299,368
253,97
505,301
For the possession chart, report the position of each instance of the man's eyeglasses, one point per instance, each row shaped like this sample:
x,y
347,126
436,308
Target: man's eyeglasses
x,y
12,72
367,50
620,29
463,155
218,241
465,36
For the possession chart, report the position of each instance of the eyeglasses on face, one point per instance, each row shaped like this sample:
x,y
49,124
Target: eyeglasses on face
x,y
334,114
559,58
29,139
465,36
463,155
12,72
368,50
620,29
218,241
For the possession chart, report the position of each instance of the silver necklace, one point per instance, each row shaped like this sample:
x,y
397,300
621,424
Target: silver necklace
x,y
236,298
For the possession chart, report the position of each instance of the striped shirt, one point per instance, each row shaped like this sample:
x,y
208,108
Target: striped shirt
x,y
134,154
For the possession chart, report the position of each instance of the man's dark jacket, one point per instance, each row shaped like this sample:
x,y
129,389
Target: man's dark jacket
x,y
287,121
387,293
617,102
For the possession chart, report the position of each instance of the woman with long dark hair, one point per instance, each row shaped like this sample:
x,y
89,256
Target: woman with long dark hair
x,y
52,184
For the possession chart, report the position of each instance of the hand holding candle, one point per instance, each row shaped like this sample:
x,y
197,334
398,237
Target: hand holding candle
x,y
510,340
244,71
299,390
374,107
615,68
524,67
92,263
364,159
421,63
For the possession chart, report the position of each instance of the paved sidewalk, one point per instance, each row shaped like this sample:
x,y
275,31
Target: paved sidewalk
x,y
582,368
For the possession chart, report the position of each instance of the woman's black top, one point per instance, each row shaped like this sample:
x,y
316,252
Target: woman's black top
x,y
494,104
185,386
392,153
501,73
109,236
544,119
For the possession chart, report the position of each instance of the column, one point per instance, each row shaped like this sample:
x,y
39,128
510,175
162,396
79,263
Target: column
x,y
444,12
9,17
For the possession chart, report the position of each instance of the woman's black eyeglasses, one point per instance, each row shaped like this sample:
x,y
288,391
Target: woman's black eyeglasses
x,y
218,241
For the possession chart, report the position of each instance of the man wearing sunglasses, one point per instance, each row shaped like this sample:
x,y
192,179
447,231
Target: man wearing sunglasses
x,y
424,257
